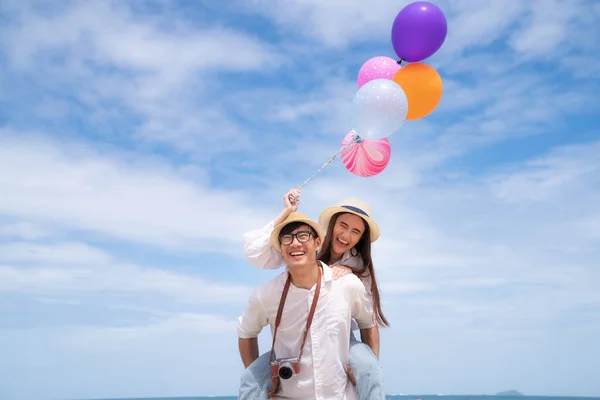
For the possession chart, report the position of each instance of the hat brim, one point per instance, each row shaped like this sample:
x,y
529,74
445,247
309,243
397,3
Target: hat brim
x,y
295,217
329,212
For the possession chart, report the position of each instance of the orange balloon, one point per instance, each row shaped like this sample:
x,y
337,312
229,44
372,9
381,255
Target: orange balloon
x,y
422,86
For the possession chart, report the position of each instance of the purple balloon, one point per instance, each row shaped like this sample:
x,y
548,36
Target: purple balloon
x,y
419,30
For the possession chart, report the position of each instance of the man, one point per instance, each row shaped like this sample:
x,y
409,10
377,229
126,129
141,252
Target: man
x,y
308,297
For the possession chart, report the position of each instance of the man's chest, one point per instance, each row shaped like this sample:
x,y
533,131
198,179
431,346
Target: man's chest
x,y
332,313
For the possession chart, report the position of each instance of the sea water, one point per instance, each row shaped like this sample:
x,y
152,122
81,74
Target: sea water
x,y
401,397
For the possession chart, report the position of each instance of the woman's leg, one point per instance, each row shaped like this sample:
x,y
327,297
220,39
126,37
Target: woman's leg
x,y
367,372
256,379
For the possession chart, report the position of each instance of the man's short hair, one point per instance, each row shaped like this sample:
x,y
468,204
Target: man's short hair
x,y
289,228
292,221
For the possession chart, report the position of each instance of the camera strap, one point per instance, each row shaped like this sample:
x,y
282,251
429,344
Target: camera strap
x,y
286,288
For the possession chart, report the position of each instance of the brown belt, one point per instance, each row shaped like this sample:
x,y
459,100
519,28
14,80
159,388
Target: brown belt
x,y
275,380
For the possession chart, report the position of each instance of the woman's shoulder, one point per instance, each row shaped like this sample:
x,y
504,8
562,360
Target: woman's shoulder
x,y
339,271
354,261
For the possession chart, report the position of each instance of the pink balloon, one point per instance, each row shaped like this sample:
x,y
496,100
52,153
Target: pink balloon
x,y
377,68
366,158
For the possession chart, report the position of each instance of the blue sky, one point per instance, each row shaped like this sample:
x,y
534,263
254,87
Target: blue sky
x,y
140,140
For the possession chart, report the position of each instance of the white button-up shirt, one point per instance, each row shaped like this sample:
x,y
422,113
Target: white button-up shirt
x,y
325,356
259,251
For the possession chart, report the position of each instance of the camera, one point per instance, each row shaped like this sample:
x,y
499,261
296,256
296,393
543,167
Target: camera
x,y
285,367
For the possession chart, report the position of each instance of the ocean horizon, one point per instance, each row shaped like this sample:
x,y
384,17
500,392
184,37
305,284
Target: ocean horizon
x,y
388,397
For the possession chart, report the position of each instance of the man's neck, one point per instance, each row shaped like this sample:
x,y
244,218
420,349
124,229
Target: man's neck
x,y
305,277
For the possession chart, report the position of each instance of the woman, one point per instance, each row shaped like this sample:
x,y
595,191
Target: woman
x,y
347,243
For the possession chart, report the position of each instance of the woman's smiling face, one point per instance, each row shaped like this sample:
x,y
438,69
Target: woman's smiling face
x,y
347,231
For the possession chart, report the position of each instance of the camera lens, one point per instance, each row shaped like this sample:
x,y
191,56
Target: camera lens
x,y
285,372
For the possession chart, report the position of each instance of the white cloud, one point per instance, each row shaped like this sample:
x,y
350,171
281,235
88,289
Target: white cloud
x,y
127,197
133,42
591,226
139,67
475,24
199,324
118,279
64,252
547,28
169,357
23,230
557,174
398,287
332,23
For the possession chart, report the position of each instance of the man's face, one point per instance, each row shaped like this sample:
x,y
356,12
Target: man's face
x,y
299,247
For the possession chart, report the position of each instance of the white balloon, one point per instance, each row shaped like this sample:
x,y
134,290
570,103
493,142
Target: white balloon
x,y
380,108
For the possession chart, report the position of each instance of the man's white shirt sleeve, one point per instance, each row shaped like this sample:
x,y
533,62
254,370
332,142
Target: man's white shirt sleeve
x,y
258,249
254,318
362,307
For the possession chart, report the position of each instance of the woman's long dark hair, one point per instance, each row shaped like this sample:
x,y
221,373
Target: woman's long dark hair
x,y
364,248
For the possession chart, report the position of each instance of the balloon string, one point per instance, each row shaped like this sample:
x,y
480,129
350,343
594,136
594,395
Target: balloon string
x,y
354,139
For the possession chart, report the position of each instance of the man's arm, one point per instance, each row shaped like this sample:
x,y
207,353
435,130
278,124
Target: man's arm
x,y
248,350
370,337
362,312
249,326
257,247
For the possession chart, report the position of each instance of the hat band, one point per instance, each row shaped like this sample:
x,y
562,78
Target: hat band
x,y
356,210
